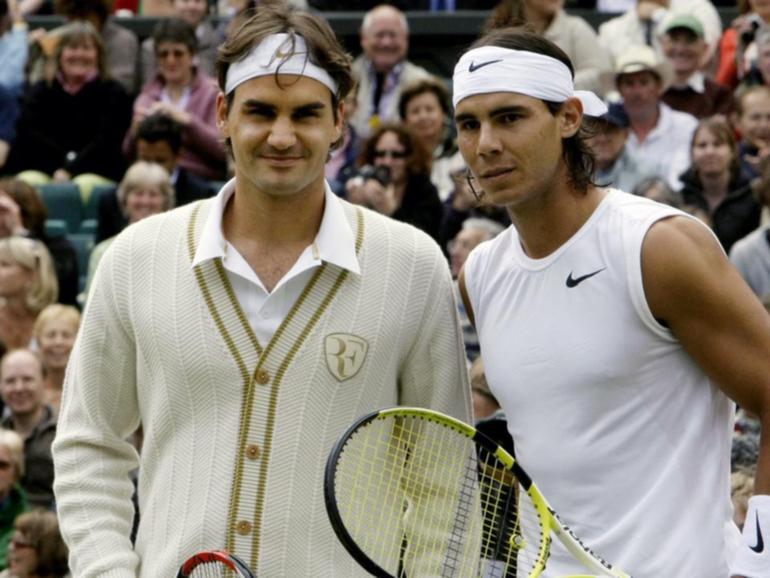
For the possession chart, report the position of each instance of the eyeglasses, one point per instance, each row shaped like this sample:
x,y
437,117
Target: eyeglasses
x,y
379,154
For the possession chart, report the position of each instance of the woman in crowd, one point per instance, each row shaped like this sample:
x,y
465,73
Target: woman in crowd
x,y
426,109
196,13
715,183
13,498
23,212
73,125
37,549
27,285
55,330
145,190
184,92
403,189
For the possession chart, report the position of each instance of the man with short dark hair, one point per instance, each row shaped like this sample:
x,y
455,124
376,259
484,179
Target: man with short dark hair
x,y
158,140
612,319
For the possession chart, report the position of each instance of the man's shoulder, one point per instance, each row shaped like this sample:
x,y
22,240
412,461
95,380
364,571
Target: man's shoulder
x,y
161,229
395,236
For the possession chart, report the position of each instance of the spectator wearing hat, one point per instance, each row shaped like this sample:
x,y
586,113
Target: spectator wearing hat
x,y
646,22
615,165
659,136
691,91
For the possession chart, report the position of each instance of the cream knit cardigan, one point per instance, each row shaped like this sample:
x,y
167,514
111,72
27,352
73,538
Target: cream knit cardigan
x,y
236,433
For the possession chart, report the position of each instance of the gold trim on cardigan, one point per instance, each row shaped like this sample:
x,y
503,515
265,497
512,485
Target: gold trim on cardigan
x,y
323,278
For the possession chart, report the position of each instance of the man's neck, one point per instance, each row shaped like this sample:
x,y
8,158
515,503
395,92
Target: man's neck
x,y
643,122
271,232
550,221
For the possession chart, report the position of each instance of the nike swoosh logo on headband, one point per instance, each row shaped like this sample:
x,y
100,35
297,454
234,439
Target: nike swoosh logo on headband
x,y
474,67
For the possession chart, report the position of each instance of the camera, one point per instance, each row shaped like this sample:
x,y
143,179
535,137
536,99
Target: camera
x,y
379,173
747,36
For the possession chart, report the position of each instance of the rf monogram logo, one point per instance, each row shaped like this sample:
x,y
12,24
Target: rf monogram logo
x,y
345,354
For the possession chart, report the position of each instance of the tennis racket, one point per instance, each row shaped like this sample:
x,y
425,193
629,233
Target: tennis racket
x,y
414,493
214,564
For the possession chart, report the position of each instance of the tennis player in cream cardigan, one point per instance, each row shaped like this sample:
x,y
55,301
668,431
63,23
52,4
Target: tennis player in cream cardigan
x,y
245,333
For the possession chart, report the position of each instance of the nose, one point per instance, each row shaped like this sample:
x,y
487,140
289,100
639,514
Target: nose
x,y
282,135
488,142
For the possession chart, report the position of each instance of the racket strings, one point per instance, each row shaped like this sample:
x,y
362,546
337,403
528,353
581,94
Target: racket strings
x,y
419,498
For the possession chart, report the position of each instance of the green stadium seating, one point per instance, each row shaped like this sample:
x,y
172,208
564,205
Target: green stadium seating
x,y
63,203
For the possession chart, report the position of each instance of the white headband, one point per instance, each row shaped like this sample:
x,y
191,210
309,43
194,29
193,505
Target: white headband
x,y
493,69
275,55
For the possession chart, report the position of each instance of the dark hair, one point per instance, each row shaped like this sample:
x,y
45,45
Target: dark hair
x,y
177,31
576,152
417,158
32,209
3,8
431,85
160,127
84,9
723,132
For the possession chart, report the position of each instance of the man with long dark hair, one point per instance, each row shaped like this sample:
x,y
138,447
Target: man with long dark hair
x,y
613,330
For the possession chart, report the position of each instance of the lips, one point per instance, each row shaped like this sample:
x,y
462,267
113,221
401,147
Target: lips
x,y
492,173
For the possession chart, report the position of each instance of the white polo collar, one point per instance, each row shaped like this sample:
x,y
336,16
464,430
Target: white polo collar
x,y
335,242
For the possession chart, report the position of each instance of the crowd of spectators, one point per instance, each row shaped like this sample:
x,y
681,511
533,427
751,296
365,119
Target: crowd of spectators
x,y
130,125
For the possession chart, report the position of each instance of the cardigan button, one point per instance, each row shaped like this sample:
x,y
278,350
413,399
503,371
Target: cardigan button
x,y
252,451
263,377
243,527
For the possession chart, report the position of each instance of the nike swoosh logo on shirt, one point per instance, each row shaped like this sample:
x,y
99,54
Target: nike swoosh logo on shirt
x,y
474,67
574,282
760,545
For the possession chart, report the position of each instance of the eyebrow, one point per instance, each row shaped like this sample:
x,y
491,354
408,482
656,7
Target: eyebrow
x,y
518,109
310,107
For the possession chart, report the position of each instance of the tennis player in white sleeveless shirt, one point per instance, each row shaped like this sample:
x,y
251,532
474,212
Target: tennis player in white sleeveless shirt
x,y
589,320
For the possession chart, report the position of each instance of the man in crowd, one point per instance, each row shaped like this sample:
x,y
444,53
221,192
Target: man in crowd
x,y
691,91
382,71
660,137
158,140
22,388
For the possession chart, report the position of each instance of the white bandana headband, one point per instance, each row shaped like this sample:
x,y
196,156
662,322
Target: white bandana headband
x,y
275,55
493,69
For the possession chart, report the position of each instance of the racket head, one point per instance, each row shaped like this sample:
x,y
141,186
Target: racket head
x,y
399,463
214,564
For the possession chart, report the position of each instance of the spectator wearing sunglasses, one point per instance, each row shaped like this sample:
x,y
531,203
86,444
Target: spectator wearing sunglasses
x,y
185,93
401,188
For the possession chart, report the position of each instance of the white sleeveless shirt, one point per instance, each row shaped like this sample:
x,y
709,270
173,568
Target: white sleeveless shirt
x,y
621,430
